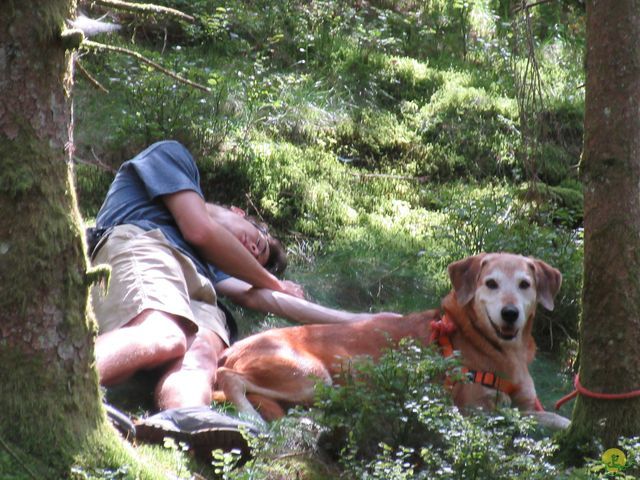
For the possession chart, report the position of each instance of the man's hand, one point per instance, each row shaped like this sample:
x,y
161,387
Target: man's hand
x,y
292,288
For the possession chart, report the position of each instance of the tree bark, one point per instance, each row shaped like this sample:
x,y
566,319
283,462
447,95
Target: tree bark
x,y
49,396
610,326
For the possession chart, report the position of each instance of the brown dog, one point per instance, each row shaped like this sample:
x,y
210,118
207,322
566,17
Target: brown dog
x,y
487,317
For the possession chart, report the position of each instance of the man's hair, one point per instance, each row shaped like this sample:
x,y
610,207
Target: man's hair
x,y
277,261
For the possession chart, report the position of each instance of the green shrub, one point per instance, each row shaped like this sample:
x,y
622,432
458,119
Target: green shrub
x,y
377,141
291,187
631,448
159,108
382,402
473,128
394,420
287,33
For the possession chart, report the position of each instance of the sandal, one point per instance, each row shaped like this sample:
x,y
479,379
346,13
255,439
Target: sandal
x,y
121,421
202,428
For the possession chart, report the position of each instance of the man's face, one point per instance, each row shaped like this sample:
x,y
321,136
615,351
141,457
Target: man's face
x,y
252,236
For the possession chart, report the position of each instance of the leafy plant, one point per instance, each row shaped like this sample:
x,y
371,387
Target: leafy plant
x,y
394,420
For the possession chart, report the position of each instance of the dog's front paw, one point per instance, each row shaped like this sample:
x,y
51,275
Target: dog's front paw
x,y
550,420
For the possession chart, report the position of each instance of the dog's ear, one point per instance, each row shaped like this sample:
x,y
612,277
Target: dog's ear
x,y
548,281
463,275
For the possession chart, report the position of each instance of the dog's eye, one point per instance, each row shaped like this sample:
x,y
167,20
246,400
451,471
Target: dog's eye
x,y
491,284
524,284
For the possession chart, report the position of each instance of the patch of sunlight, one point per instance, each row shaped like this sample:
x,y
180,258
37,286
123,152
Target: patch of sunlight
x,y
263,148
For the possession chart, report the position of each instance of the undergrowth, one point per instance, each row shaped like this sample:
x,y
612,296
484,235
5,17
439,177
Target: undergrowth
x,y
394,421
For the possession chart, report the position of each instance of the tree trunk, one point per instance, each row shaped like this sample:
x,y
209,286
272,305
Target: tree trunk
x,y
49,396
610,327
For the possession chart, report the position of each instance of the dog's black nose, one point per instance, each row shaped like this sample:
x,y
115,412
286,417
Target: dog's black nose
x,y
510,313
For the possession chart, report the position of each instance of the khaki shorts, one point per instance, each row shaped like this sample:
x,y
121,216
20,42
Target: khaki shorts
x,y
147,272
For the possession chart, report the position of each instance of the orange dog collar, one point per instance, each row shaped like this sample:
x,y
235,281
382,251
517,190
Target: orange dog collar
x,y
440,331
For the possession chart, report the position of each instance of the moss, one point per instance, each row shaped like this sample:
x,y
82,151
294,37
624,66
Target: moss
x,y
40,224
99,274
596,426
101,454
555,163
277,175
52,15
105,453
50,402
406,79
471,129
302,468
568,195
72,38
38,426
376,140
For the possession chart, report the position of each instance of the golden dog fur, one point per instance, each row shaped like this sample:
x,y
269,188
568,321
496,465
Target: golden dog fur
x,y
492,306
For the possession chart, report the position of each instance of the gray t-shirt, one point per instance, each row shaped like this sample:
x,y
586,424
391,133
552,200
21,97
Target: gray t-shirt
x,y
134,196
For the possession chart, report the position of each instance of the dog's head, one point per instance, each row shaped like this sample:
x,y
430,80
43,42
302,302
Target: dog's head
x,y
504,289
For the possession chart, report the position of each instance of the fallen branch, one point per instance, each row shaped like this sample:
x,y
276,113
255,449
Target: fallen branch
x,y
284,456
253,205
144,8
101,46
422,179
96,162
92,80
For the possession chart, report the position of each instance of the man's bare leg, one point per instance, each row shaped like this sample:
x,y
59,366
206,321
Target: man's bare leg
x,y
183,395
189,380
151,339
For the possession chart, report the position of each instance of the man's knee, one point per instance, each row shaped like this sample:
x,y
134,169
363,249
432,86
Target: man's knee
x,y
202,354
189,380
162,332
208,345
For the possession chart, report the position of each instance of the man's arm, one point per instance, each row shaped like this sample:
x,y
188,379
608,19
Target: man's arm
x,y
286,306
217,245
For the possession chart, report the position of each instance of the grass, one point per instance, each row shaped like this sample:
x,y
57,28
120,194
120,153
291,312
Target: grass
x,y
552,382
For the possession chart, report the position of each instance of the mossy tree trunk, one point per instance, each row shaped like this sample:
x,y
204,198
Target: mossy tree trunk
x,y
610,327
49,396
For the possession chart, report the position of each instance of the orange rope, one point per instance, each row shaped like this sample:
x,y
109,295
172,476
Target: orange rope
x,y
588,393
